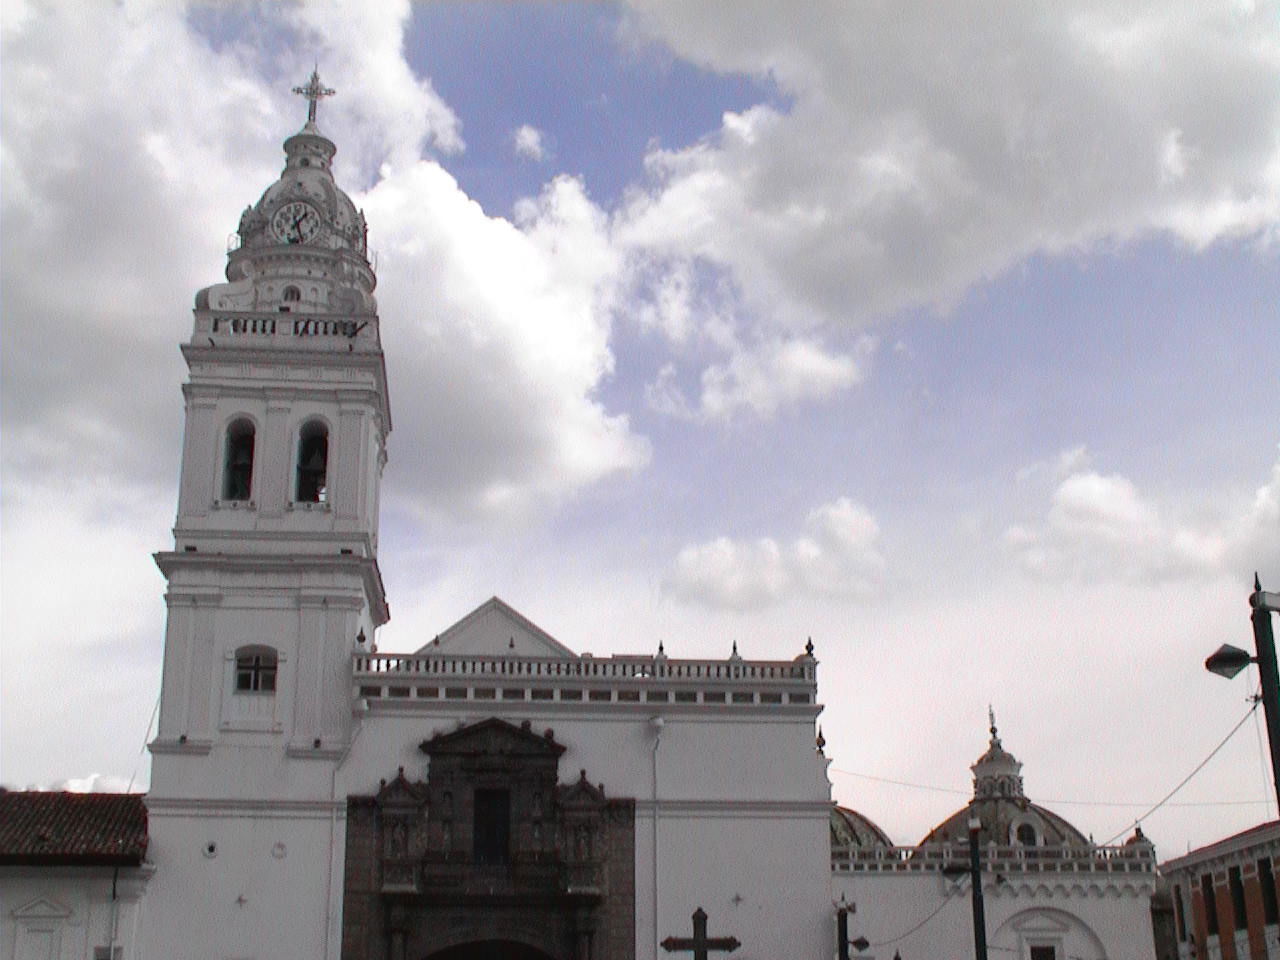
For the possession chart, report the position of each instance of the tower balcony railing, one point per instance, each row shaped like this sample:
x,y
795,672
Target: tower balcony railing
x,y
619,679
1006,859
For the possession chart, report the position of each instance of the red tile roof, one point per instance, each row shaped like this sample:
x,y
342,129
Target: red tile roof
x,y
72,829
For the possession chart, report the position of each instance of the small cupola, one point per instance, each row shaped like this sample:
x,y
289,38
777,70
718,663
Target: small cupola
x,y
997,772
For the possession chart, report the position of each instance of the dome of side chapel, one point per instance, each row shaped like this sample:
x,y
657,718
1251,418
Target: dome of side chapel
x,y
849,828
1000,804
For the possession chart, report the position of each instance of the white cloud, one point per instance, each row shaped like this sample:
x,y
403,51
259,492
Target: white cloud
x,y
761,379
116,209
1101,527
501,370
899,172
527,141
837,555
777,373
740,574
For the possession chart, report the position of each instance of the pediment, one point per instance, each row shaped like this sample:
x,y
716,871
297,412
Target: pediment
x,y
582,793
1037,921
401,793
42,908
494,629
493,737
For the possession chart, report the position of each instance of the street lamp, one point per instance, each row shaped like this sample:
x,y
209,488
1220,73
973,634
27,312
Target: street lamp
x,y
843,909
975,888
1227,661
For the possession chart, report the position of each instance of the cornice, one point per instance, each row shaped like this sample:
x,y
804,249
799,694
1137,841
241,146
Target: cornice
x,y
171,562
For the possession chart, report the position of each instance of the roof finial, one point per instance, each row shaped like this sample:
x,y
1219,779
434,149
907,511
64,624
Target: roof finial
x,y
314,91
991,717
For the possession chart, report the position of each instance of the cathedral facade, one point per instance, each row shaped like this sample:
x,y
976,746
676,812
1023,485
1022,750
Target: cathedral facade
x,y
493,794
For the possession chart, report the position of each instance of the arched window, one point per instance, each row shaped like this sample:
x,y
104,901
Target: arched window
x,y
1027,835
256,670
292,294
237,472
313,463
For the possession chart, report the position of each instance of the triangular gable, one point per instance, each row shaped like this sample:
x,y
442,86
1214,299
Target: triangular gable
x,y
582,793
42,908
401,793
494,629
493,736
1039,921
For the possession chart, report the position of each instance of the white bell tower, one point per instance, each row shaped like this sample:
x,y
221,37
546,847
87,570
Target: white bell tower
x,y
273,578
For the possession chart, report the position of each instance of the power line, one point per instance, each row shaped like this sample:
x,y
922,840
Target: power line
x,y
1185,780
146,735
902,936
1056,803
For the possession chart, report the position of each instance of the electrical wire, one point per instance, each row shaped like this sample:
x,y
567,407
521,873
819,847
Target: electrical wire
x,y
1185,780
902,936
146,734
1049,801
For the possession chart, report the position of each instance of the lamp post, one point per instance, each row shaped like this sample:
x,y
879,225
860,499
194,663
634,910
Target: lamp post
x,y
1227,661
975,889
843,943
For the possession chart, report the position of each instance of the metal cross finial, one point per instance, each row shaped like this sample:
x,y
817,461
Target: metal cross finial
x,y
991,716
314,91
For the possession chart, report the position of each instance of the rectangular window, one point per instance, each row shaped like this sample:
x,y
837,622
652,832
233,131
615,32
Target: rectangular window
x,y
1210,904
492,827
256,673
1236,884
1044,953
1179,915
1267,881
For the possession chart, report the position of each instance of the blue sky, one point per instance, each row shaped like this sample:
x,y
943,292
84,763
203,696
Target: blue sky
x,y
944,338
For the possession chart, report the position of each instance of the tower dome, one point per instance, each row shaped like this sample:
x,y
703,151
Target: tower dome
x,y
1001,806
303,247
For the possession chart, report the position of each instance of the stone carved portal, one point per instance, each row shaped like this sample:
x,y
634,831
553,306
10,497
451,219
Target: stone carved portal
x,y
491,950
490,856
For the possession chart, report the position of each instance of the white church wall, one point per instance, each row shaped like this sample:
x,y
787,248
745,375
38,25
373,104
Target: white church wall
x,y
1082,920
759,872
244,881
68,913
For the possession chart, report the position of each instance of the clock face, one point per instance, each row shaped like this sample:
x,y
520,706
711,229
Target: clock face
x,y
296,222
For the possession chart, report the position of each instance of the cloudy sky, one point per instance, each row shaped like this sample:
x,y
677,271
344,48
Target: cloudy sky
x,y
943,334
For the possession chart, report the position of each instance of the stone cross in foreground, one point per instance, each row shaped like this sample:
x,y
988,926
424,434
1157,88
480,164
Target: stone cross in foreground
x,y
700,944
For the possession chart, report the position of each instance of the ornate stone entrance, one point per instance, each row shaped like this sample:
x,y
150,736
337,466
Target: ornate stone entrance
x,y
490,856
491,950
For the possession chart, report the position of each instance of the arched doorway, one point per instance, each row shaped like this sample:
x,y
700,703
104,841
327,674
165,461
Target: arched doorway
x,y
491,950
